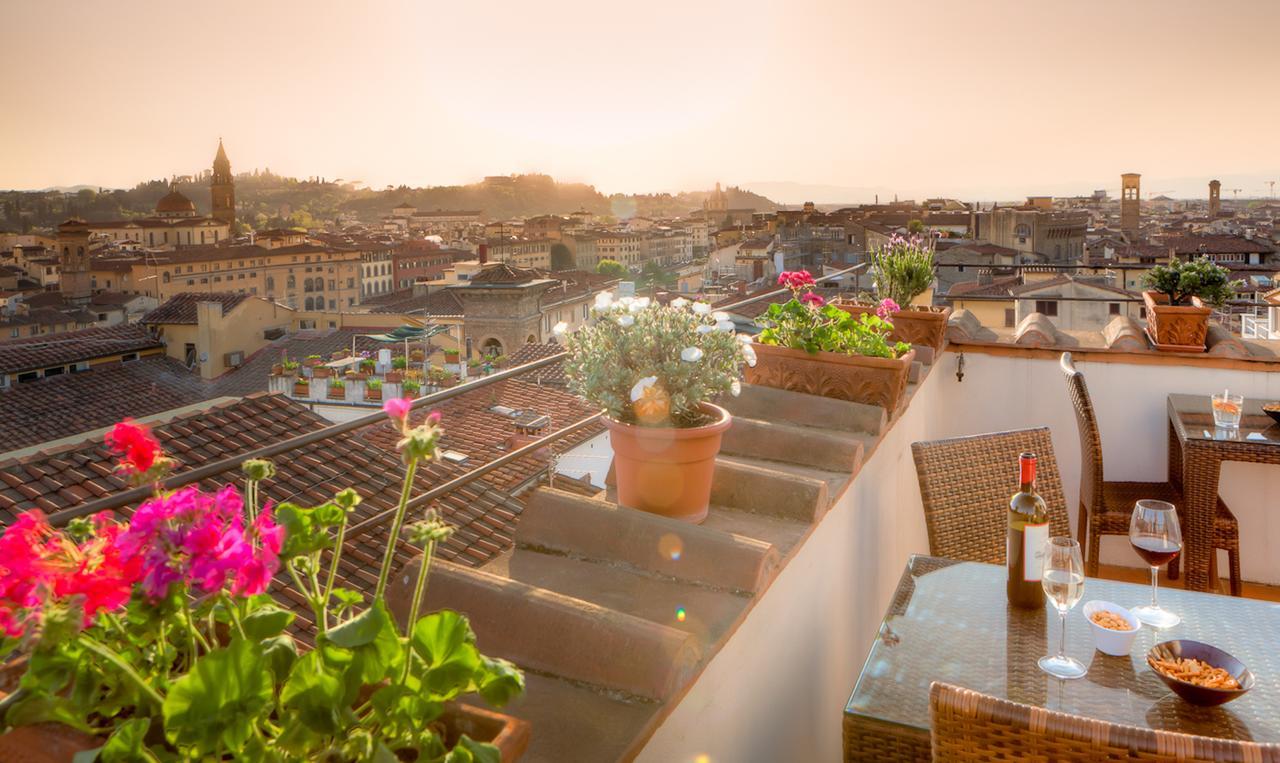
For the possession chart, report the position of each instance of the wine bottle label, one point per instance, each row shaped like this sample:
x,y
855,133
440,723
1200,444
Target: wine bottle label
x,y
1033,540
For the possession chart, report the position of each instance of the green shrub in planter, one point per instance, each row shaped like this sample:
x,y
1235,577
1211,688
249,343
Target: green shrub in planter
x,y
1180,281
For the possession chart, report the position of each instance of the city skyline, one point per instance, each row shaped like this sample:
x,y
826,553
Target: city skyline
x,y
635,103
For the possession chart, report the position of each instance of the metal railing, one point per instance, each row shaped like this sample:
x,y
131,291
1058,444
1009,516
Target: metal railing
x,y
230,463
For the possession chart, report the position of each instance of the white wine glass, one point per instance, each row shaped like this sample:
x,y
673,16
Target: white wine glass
x,y
1154,533
1063,581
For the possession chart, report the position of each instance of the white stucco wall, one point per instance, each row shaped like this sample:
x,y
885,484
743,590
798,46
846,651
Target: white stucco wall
x,y
777,689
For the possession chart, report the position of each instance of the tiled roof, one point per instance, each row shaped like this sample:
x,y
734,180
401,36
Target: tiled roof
x,y
252,375
998,287
503,273
72,346
435,302
552,375
182,307
484,517
472,428
1217,245
71,404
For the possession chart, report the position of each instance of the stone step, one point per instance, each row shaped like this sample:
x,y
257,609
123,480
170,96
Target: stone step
x,y
770,404
702,612
562,522
783,534
551,632
771,489
808,446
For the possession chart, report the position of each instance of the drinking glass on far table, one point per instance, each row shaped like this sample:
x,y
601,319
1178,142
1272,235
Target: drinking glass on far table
x,y
1227,409
1155,535
1063,581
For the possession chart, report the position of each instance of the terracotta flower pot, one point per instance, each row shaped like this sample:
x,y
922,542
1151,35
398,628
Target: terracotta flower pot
x,y
394,377
277,370
911,325
301,388
860,379
509,735
337,394
321,372
372,394
1181,328
666,470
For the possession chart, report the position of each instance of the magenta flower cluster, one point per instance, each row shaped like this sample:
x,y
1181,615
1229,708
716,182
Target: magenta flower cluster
x,y
795,279
201,540
886,308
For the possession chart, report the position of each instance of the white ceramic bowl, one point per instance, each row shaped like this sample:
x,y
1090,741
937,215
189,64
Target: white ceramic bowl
x,y
1114,643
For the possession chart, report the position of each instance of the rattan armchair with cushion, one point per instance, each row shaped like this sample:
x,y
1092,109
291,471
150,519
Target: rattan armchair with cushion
x,y
968,726
965,486
1106,507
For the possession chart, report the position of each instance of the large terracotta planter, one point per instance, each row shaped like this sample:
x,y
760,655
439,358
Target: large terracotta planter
x,y
920,326
873,381
665,470
1183,328
372,395
301,388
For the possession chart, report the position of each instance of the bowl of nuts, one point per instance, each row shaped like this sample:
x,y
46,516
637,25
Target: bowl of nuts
x,y
1272,410
1199,673
1113,627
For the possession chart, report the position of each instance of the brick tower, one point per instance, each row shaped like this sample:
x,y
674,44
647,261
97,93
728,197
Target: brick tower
x,y
222,188
1215,198
1130,205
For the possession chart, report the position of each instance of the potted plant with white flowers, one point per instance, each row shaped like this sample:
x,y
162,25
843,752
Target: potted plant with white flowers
x,y
655,370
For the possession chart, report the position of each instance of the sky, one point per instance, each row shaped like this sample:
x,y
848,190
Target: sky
x,y
833,98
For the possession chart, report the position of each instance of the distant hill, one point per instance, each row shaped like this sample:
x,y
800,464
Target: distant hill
x,y
265,200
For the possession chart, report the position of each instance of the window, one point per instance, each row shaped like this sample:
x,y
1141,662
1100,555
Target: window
x,y
55,371
1047,307
1113,308
271,284
351,283
128,356
1008,317
333,304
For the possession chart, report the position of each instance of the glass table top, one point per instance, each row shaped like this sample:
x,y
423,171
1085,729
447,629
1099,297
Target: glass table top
x,y
950,621
1195,413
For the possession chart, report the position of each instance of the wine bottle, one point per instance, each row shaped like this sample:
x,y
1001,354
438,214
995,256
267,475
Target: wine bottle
x,y
1028,531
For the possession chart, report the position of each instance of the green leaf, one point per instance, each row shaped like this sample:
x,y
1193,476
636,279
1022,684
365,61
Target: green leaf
x,y
39,707
267,622
314,695
469,750
127,743
446,644
303,534
379,658
359,630
219,700
281,652
498,681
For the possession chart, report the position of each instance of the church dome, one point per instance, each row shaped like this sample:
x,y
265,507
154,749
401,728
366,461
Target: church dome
x,y
175,204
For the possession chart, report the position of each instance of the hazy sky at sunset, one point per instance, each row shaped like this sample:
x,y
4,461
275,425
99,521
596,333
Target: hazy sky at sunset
x,y
974,99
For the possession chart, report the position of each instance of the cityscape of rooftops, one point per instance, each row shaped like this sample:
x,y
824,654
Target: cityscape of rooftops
x,y
678,382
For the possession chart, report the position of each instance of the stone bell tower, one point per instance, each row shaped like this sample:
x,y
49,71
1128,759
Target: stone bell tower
x,y
1215,198
222,188
1130,205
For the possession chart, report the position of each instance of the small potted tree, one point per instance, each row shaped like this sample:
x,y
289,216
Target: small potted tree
x,y
655,371
1179,299
904,273
337,390
819,349
373,390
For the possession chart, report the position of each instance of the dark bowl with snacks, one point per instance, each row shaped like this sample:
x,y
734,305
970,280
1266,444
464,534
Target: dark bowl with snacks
x,y
1272,410
1214,678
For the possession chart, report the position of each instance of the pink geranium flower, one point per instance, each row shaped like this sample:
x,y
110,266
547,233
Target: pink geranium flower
x,y
887,307
398,408
795,279
809,298
136,447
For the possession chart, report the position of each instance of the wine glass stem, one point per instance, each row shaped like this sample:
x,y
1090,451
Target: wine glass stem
x,y
1155,585
1062,642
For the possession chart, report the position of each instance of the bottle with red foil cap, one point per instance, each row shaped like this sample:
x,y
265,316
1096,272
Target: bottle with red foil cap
x,y
1028,531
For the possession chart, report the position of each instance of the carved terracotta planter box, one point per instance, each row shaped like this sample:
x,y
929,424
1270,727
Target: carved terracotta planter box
x,y
1183,328
859,379
920,326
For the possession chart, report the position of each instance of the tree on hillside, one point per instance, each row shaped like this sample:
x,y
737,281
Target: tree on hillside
x,y
561,257
611,268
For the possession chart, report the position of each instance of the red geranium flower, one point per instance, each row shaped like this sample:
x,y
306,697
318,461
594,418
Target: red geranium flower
x,y
135,446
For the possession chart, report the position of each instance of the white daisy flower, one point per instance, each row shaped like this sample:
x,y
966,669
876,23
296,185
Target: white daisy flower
x,y
560,328
701,308
705,329
679,302
749,353
725,326
720,315
626,302
735,388
604,300
637,391
641,303
626,320
691,354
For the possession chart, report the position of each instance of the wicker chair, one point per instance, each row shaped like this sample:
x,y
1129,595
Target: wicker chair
x,y
1105,507
968,726
965,485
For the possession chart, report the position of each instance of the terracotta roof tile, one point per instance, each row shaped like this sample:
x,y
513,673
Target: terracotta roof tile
x,y
59,349
182,307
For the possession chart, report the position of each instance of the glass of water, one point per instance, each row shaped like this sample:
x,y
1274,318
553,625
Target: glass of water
x,y
1063,581
1227,409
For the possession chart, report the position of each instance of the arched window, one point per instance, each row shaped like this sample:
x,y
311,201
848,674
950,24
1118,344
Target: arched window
x,y
271,284
292,281
491,347
306,285
165,277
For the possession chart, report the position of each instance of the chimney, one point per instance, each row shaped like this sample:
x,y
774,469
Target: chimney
x,y
985,276
742,288
483,252
527,427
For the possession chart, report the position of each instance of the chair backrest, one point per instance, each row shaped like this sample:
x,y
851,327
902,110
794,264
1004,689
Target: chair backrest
x,y
968,726
965,486
1090,439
